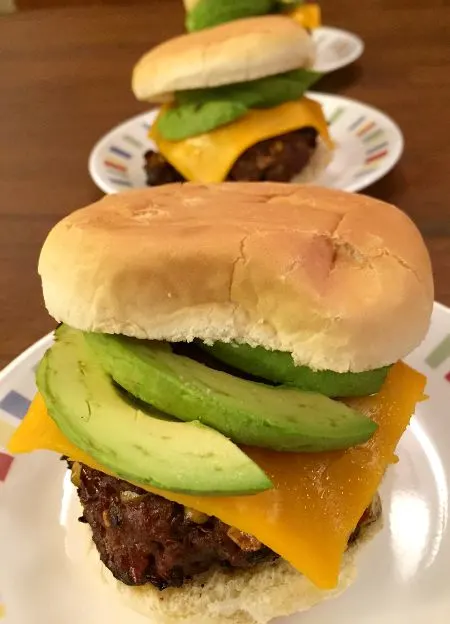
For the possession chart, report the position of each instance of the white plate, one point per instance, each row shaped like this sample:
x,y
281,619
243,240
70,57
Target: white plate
x,y
368,144
335,48
403,574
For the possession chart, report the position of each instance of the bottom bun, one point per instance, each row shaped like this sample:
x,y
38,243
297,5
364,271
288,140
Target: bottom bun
x,y
319,161
230,597
220,596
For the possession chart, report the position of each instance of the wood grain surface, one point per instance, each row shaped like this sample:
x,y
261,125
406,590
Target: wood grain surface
x,y
65,76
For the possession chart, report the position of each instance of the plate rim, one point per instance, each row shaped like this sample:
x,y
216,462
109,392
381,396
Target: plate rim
x,y
24,356
377,174
93,154
358,52
356,186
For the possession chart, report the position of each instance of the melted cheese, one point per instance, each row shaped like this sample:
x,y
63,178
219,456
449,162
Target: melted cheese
x,y
307,15
209,157
318,498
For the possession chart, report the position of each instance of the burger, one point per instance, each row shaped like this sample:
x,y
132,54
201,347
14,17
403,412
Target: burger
x,y
233,105
227,387
206,13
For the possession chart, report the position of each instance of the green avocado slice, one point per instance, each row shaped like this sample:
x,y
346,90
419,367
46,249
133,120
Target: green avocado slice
x,y
201,110
278,367
137,444
284,419
208,13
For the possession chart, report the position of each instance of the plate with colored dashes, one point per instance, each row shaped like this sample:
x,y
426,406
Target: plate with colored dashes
x,y
403,572
368,144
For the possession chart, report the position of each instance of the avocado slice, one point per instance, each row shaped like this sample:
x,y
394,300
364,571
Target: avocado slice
x,y
136,445
279,418
278,367
208,13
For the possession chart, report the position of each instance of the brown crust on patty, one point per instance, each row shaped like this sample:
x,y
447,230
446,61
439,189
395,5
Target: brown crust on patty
x,y
144,538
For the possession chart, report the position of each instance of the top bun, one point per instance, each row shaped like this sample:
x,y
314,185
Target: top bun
x,y
233,52
341,281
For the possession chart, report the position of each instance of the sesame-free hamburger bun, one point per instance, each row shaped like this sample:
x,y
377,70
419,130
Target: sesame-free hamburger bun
x,y
237,51
341,281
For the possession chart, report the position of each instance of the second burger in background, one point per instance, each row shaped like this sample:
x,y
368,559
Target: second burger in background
x,y
206,13
233,105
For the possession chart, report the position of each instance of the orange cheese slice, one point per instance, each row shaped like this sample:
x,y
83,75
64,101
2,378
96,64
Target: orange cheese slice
x,y
209,157
318,497
307,15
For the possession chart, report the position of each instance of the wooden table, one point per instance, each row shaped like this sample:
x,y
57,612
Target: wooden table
x,y
65,78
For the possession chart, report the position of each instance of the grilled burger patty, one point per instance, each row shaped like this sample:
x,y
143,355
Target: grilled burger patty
x,y
144,538
276,160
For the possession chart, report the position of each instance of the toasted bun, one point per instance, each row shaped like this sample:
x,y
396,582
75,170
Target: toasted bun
x,y
221,596
342,281
234,52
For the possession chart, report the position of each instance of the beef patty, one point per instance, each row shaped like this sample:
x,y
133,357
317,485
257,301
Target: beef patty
x,y
144,538
276,160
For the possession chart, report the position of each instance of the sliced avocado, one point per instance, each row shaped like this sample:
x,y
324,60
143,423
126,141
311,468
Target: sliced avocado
x,y
141,446
208,13
282,418
279,367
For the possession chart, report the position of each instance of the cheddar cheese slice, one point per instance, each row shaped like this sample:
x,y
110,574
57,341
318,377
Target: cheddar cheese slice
x,y
209,157
318,498
307,15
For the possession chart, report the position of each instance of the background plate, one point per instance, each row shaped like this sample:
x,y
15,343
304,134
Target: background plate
x,y
403,573
335,48
368,144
